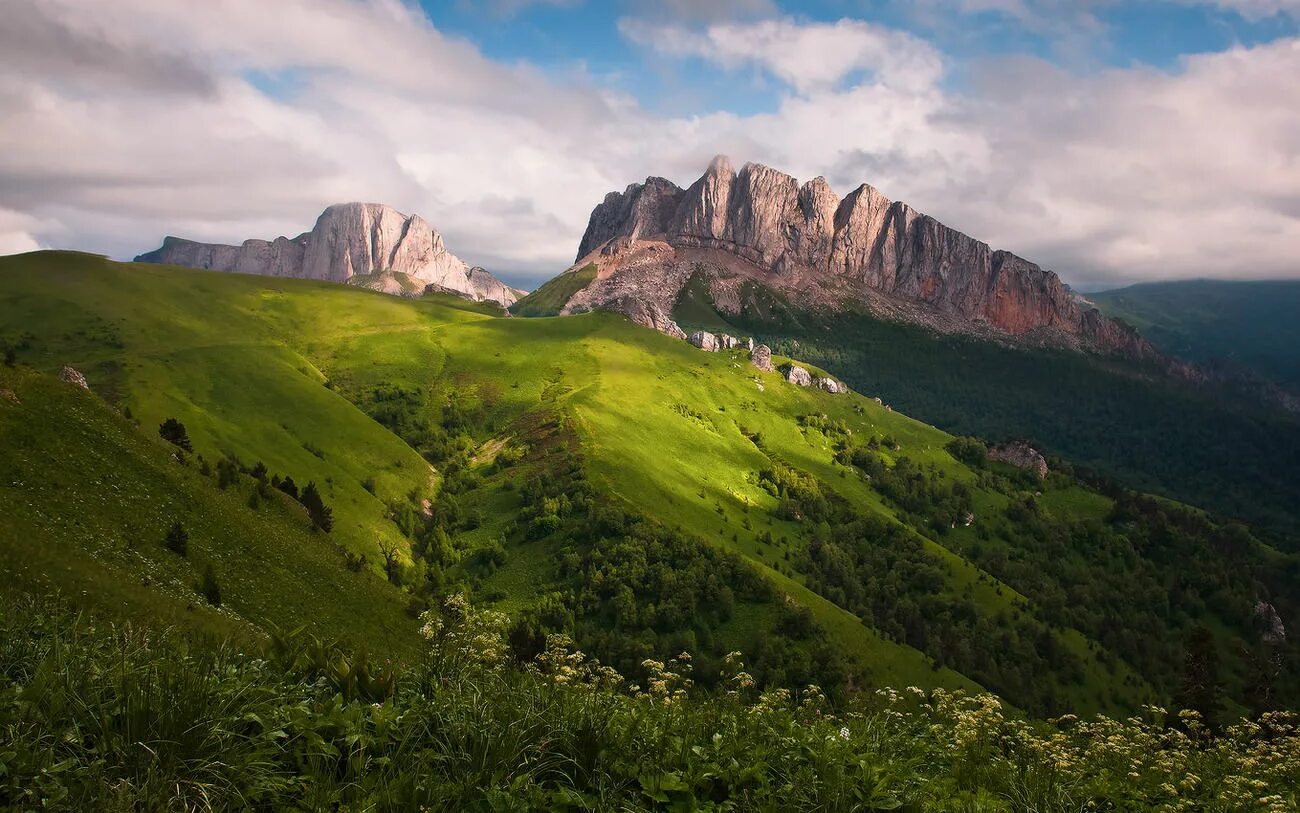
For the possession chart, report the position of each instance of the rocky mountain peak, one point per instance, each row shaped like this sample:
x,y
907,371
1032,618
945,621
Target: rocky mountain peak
x,y
805,241
368,244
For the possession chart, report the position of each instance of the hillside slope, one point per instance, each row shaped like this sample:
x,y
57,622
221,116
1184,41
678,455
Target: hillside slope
x,y
596,477
88,500
1250,325
1202,444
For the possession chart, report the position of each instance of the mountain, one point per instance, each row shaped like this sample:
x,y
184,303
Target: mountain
x,y
366,244
1244,326
760,226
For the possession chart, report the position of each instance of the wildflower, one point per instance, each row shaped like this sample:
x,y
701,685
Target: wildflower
x,y
844,733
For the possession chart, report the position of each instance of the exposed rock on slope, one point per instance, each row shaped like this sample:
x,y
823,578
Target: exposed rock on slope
x,y
762,225
1022,455
366,244
73,376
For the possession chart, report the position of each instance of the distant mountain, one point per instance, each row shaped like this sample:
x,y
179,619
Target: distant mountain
x,y
366,244
1253,326
759,226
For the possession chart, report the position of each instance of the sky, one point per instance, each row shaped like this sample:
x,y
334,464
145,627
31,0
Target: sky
x,y
1113,141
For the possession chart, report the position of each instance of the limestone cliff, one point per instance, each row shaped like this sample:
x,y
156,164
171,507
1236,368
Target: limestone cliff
x,y
365,244
763,225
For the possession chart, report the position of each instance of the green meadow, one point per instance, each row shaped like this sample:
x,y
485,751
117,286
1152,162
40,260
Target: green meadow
x,y
462,449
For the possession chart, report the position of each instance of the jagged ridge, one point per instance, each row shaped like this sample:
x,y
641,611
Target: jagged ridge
x,y
368,244
805,239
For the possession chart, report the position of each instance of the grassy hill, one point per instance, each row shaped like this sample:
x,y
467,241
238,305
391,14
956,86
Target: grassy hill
x,y
88,500
1207,446
587,475
1253,325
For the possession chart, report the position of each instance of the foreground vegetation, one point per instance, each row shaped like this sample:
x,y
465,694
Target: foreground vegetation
x,y
95,716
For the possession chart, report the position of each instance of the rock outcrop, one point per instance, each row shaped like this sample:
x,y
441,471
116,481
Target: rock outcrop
x,y
802,239
705,341
761,357
73,376
1021,455
366,244
798,376
830,385
647,314
1272,630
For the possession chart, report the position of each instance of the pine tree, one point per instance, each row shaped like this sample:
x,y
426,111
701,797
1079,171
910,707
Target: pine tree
x,y
173,431
321,515
209,587
177,540
288,486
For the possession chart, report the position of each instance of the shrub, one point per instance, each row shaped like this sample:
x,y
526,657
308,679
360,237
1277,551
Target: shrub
x,y
173,431
177,540
209,588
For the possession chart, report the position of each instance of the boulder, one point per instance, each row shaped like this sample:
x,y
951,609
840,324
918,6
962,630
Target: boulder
x,y
705,341
749,344
1272,629
830,385
648,314
1021,455
761,357
798,376
726,342
73,376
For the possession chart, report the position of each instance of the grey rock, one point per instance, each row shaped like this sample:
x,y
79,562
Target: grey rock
x,y
73,376
830,385
798,376
704,340
1273,630
647,314
1021,455
365,244
761,357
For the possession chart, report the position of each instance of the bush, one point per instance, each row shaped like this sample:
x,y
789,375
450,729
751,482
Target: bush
x,y
970,451
177,540
209,588
173,431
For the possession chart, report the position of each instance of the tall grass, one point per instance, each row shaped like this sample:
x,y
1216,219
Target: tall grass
x,y
102,717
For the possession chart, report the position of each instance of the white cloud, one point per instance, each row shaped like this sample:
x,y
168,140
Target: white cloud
x,y
1120,175
809,57
16,233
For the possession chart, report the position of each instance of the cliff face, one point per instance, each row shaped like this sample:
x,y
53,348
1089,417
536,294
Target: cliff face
x,y
804,239
360,243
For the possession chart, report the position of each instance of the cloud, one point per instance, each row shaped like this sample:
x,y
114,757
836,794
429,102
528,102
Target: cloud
x,y
1253,9
506,9
16,233
809,57
1112,176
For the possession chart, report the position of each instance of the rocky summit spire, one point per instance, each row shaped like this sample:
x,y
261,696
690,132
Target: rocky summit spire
x,y
802,239
359,243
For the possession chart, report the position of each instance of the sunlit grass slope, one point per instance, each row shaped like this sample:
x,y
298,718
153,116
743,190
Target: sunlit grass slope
x,y
87,501
259,368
